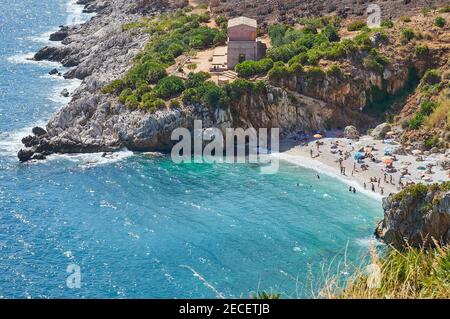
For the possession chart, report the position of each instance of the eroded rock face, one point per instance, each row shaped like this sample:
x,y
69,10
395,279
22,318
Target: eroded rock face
x,y
416,218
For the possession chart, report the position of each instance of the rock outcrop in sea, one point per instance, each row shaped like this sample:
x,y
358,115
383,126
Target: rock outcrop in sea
x,y
418,216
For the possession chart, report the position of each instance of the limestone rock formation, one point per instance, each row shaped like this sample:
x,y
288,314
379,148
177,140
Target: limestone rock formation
x,y
380,131
351,132
417,216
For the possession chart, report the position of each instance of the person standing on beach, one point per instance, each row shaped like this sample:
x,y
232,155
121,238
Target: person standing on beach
x,y
373,187
311,152
379,180
365,186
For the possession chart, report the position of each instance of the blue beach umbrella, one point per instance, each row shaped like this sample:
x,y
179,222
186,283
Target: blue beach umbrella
x,y
359,155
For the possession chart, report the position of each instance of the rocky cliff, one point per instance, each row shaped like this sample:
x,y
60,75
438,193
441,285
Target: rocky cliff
x,y
417,216
101,51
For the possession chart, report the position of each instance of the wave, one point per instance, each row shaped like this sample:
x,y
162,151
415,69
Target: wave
x,y
26,58
70,85
44,38
11,142
89,160
75,13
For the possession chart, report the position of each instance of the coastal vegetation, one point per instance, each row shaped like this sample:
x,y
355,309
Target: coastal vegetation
x,y
412,273
146,85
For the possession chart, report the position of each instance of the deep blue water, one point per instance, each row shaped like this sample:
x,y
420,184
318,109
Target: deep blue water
x,y
145,227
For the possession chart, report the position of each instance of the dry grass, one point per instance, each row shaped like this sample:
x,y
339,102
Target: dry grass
x,y
409,274
441,115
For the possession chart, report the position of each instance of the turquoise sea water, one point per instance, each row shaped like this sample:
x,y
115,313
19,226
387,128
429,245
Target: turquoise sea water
x,y
144,227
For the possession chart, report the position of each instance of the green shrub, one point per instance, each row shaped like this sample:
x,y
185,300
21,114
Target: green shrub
x,y
417,121
406,35
427,107
431,77
276,34
302,58
250,68
281,53
315,73
440,22
356,25
208,94
124,95
131,102
331,33
277,73
220,38
115,87
295,68
445,9
239,87
363,40
417,191
421,50
220,20
174,104
169,86
196,79
375,61
387,24
431,142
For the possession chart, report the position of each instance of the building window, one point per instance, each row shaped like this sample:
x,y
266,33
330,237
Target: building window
x,y
241,57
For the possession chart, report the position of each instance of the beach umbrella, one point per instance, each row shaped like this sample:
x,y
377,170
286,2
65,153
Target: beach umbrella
x,y
359,155
317,136
416,152
388,151
388,161
421,168
427,178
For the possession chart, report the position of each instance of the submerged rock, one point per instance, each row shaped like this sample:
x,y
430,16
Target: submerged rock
x,y
65,93
39,131
25,155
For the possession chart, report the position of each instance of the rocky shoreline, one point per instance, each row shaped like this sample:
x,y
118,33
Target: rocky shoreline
x,y
98,51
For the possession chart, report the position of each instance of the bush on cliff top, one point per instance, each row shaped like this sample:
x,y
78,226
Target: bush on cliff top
x,y
250,68
356,25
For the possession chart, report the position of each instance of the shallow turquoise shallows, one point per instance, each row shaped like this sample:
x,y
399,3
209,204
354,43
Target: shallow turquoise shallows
x,y
144,227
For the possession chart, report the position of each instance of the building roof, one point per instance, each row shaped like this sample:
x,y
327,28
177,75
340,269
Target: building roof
x,y
242,21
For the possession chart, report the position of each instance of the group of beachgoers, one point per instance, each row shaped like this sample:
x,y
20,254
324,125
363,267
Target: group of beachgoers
x,y
359,163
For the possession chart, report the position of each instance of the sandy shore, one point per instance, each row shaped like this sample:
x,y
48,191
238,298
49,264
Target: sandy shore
x,y
323,160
